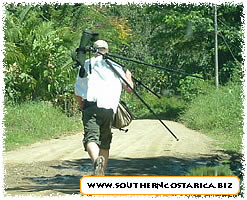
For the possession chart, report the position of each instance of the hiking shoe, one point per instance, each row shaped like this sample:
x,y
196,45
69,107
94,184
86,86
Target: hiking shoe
x,y
99,166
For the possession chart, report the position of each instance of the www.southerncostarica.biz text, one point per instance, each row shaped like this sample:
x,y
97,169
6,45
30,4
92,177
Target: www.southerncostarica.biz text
x,y
159,185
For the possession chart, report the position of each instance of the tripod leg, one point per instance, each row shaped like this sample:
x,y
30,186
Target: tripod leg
x,y
118,74
151,110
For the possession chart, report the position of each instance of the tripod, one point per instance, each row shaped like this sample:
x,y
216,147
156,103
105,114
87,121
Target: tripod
x,y
107,59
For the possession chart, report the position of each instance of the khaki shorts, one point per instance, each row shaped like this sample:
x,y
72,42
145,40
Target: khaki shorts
x,y
97,124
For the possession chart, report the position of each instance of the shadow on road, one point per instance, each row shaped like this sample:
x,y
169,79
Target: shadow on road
x,y
70,183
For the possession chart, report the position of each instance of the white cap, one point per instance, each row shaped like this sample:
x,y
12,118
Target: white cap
x,y
100,44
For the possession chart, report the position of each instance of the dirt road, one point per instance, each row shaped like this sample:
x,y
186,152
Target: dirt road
x,y
56,166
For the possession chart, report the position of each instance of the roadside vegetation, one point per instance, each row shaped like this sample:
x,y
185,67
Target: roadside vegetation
x,y
31,122
218,114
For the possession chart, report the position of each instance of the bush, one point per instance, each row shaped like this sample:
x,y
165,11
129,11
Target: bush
x,y
30,122
40,68
219,112
165,107
191,87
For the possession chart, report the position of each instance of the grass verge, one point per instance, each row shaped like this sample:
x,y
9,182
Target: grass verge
x,y
35,121
219,115
167,108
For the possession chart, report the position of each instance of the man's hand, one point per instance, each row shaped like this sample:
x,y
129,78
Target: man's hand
x,y
129,80
79,101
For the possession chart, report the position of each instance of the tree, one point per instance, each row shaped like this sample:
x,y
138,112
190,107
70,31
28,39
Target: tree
x,y
39,67
185,37
39,40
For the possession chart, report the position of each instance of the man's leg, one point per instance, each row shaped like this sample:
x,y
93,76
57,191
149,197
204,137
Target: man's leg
x,y
106,134
101,126
105,154
93,151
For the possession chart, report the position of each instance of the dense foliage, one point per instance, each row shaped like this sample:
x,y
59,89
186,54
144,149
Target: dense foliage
x,y
39,40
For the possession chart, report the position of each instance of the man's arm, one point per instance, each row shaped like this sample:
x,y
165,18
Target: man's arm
x,y
129,80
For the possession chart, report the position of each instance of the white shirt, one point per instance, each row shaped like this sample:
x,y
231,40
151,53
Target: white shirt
x,y
102,85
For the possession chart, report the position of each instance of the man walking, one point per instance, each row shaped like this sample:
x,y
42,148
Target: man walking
x,y
98,93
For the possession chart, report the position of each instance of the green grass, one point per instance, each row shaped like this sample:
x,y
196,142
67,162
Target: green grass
x,y
221,170
220,115
30,122
167,108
